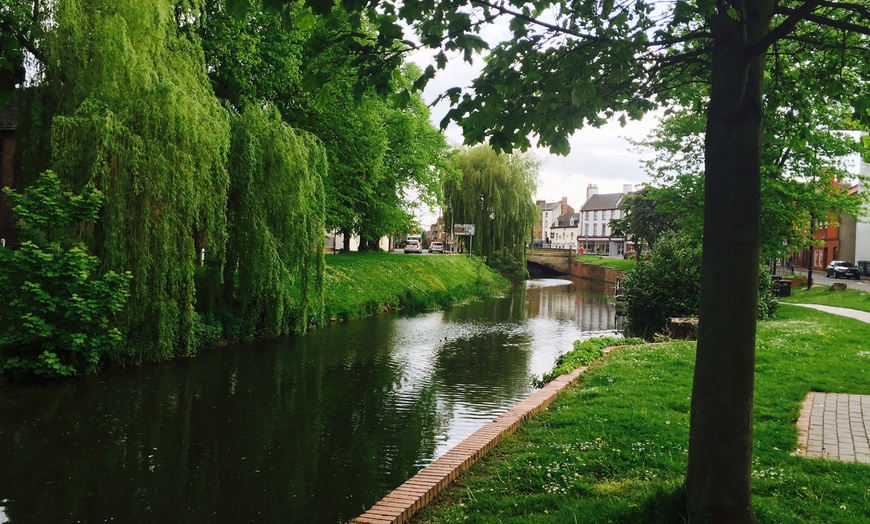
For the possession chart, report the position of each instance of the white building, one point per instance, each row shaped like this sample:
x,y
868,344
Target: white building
x,y
596,234
550,211
565,230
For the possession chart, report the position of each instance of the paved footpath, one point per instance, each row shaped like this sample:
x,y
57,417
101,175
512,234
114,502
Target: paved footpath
x,y
835,426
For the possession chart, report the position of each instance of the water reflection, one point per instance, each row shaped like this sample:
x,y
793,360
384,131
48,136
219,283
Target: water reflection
x,y
305,429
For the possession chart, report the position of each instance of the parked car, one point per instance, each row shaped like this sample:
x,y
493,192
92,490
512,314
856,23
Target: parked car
x,y
436,247
842,268
413,246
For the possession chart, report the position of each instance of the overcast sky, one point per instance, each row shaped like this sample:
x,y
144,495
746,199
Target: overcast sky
x,y
598,156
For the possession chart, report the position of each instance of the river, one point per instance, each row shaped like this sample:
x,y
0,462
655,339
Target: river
x,y
305,429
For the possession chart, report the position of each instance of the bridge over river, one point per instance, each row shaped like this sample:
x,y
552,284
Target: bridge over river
x,y
547,261
543,262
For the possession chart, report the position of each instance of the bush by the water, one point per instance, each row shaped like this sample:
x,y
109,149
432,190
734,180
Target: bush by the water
x,y
58,312
509,265
669,285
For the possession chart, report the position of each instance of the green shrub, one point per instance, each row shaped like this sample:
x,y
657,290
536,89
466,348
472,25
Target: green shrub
x,y
669,285
767,302
58,314
509,265
207,329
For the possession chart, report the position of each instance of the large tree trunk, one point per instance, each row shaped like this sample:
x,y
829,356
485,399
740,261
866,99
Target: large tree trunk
x,y
720,436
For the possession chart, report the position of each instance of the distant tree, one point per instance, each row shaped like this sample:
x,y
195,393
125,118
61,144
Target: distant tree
x,y
802,162
495,194
641,219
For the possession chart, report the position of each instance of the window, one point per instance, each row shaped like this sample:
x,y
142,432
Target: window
x,y
586,216
595,230
596,216
572,221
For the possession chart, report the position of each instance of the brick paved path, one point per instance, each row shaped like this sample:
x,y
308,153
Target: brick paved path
x,y
835,426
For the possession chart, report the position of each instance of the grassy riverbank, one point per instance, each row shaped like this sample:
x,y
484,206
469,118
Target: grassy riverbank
x,y
358,284
616,263
613,448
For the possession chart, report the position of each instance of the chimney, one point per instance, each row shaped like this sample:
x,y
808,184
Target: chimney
x,y
564,207
627,188
591,189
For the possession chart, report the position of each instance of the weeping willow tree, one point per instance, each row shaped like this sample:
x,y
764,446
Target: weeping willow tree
x,y
124,89
495,194
275,224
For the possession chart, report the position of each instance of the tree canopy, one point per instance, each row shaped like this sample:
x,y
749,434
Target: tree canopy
x,y
379,148
802,166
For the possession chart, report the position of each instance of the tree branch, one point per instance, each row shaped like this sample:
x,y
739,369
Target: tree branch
x,y
795,16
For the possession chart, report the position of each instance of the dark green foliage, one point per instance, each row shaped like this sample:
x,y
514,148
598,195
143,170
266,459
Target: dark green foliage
x,y
509,265
132,113
767,303
275,224
58,317
668,285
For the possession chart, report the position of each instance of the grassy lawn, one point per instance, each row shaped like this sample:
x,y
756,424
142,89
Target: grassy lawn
x,y
850,298
615,263
613,449
359,284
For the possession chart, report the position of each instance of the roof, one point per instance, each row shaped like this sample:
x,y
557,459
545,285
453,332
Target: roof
x,y
564,221
606,201
10,114
549,206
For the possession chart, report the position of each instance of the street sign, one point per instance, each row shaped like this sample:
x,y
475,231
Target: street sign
x,y
463,229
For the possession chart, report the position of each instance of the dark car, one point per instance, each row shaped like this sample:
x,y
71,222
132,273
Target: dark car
x,y
841,268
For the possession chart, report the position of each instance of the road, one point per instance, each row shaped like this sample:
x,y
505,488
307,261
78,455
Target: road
x,y
820,279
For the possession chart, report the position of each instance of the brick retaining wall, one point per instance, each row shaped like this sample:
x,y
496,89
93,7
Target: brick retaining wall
x,y
593,272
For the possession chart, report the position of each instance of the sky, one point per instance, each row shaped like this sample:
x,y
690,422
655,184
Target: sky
x,y
599,156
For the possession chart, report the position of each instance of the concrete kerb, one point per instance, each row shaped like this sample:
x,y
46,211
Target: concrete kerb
x,y
399,505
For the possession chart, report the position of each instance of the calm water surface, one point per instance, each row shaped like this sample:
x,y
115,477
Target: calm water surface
x,y
308,429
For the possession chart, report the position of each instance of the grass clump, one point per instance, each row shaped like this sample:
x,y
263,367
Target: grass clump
x,y
361,284
614,449
848,298
618,264
584,353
